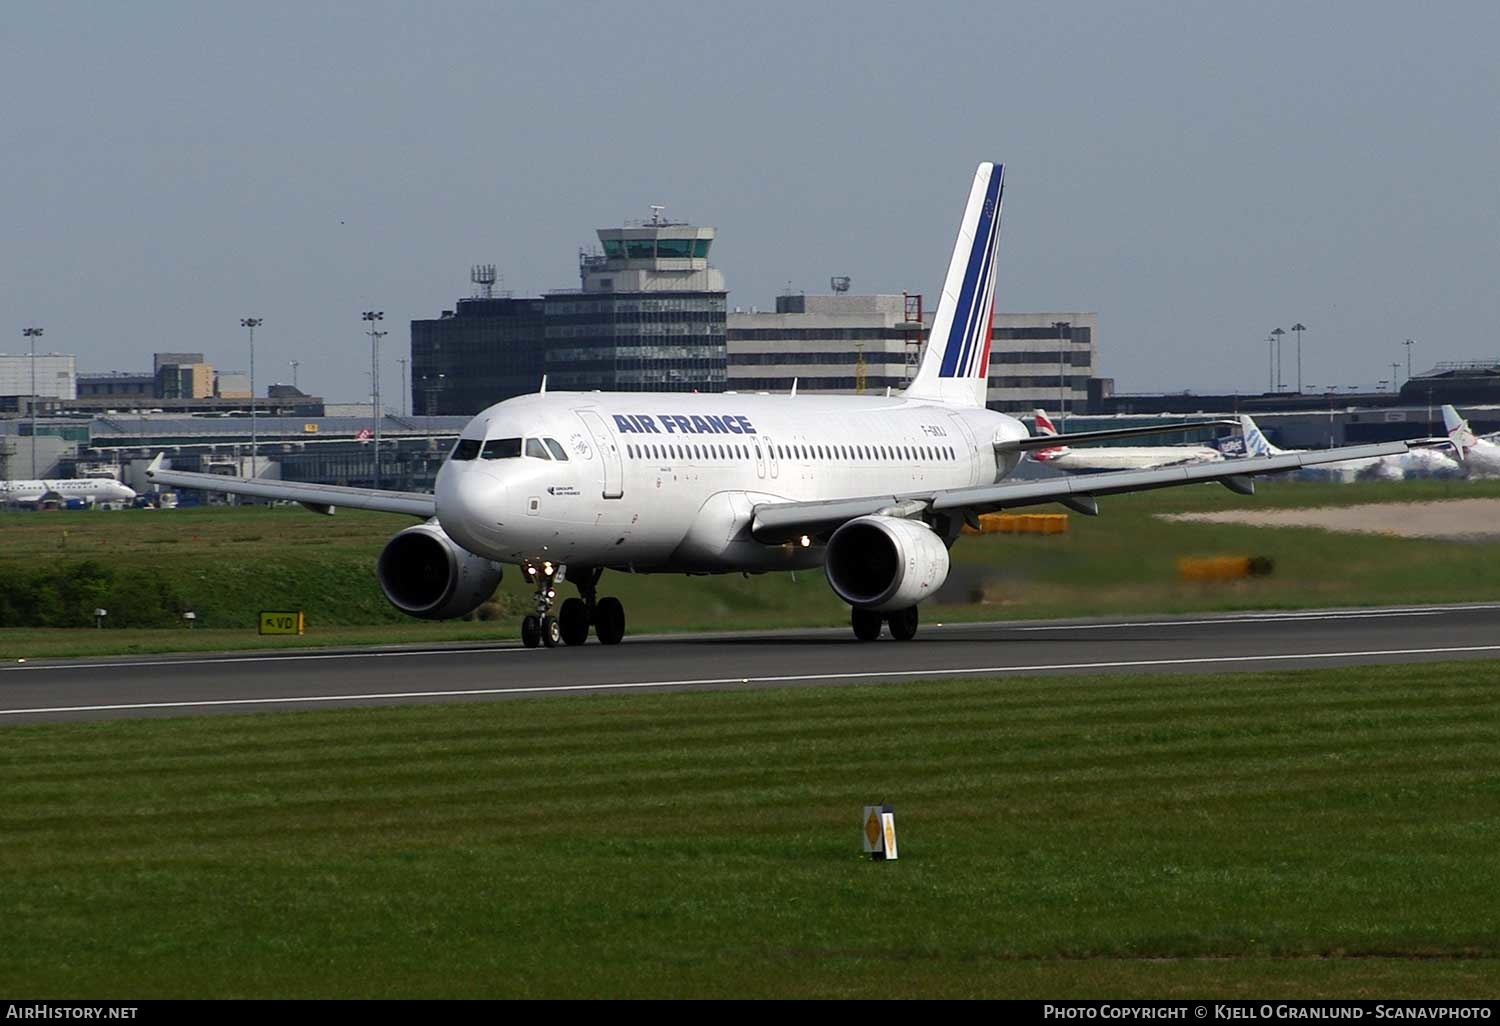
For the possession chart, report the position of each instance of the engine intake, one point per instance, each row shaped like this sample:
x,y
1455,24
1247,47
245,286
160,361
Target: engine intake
x,y
425,574
885,563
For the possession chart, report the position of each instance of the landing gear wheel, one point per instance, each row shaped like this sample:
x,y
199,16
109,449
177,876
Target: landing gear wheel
x,y
531,632
609,621
573,618
551,632
904,623
866,624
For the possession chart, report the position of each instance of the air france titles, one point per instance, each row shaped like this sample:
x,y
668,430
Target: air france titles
x,y
676,424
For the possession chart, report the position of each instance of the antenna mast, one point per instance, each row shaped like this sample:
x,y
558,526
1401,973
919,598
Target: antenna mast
x,y
483,276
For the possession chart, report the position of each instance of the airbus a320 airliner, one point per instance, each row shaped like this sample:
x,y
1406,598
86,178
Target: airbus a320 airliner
x,y
567,485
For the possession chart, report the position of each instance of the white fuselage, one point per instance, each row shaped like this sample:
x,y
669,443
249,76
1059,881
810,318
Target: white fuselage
x,y
90,489
1137,457
1482,459
668,481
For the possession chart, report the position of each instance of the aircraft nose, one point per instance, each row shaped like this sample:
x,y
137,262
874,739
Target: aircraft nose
x,y
470,505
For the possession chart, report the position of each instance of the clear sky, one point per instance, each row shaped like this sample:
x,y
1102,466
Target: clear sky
x,y
1198,173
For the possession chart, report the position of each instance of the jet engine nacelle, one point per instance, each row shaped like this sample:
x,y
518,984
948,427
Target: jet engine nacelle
x,y
885,563
425,574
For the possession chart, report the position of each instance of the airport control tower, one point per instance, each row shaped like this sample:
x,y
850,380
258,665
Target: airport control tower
x,y
655,256
650,315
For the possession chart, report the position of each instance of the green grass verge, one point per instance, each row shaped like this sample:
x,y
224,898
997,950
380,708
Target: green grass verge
x,y
1312,833
230,563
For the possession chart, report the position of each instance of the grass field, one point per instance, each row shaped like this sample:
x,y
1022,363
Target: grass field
x,y
1262,835
229,563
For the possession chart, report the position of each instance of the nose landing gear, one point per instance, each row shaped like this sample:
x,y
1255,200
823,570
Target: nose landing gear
x,y
542,627
571,625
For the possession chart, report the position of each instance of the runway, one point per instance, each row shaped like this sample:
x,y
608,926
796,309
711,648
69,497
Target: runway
x,y
189,685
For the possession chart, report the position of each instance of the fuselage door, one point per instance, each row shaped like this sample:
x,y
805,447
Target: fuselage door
x,y
609,452
969,451
771,455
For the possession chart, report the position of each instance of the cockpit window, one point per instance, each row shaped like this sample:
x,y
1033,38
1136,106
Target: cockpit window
x,y
466,449
558,452
501,449
536,450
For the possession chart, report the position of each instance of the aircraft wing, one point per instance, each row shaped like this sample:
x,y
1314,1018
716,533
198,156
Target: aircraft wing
x,y
778,522
319,498
1086,437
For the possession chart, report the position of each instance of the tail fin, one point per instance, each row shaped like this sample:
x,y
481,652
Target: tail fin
x,y
1458,431
956,366
1045,427
1256,443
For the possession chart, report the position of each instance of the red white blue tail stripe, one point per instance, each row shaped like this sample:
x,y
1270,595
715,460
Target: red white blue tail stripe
x,y
956,366
967,350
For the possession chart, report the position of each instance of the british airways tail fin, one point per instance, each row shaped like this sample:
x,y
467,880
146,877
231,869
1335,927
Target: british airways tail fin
x,y
1045,427
956,366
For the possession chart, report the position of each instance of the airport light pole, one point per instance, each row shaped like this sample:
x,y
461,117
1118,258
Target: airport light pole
x,y
1064,331
1277,333
1299,328
370,317
295,364
252,323
1408,344
403,361
1395,370
31,335
1270,363
433,390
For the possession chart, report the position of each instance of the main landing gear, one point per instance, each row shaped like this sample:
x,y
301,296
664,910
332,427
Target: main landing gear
x,y
571,624
867,623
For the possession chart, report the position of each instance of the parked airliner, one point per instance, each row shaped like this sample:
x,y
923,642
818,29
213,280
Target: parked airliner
x,y
1420,461
1117,457
1480,453
89,489
566,485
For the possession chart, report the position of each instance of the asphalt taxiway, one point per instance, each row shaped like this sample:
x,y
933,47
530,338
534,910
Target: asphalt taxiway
x,y
305,679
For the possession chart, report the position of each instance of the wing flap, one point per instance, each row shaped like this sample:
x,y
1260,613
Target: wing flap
x,y
318,497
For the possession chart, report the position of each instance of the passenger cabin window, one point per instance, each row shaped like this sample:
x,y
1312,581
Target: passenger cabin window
x,y
466,449
536,450
501,449
558,452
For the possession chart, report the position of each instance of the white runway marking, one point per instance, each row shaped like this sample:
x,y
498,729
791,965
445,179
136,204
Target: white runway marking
x,y
508,646
233,660
1288,617
785,679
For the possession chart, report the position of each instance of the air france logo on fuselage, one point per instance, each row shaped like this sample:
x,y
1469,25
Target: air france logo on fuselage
x,y
676,424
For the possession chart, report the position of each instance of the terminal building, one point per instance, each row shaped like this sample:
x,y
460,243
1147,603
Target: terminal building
x,y
52,379
851,344
649,317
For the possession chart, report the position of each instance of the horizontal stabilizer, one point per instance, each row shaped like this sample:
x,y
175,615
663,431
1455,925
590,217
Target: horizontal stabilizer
x,y
1055,441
